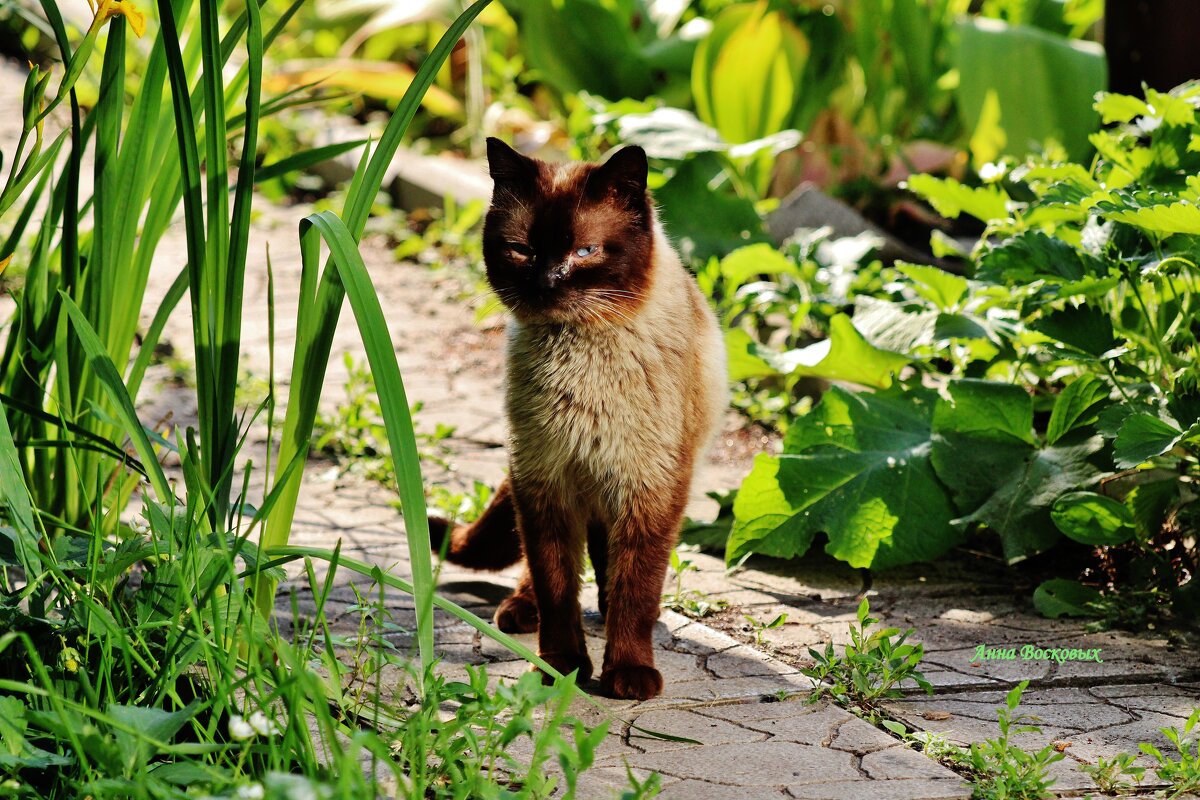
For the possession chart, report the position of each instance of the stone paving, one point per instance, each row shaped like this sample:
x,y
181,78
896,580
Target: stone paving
x,y
720,691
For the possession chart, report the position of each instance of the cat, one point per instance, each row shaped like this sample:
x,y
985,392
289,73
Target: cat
x,y
615,382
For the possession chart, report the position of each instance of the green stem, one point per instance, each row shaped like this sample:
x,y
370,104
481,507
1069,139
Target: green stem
x,y
1155,337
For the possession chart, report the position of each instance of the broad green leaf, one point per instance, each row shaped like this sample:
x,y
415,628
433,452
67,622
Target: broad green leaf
x,y
1085,327
1032,256
756,259
1170,109
1091,518
889,326
1149,503
945,290
984,451
1119,107
707,221
12,725
744,360
1049,98
844,356
1077,405
857,469
1166,219
1141,438
979,435
674,134
565,43
1059,597
153,723
952,198
746,72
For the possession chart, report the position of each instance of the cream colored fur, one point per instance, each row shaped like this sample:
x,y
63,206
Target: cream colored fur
x,y
600,411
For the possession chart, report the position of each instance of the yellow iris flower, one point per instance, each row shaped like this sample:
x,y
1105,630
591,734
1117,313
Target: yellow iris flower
x,y
107,9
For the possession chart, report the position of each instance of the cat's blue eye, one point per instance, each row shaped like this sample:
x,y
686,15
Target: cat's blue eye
x,y
584,252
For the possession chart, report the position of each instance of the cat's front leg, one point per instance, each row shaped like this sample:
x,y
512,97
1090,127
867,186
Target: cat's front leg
x,y
553,536
640,544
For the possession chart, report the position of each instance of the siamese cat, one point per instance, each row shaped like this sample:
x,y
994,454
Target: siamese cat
x,y
615,383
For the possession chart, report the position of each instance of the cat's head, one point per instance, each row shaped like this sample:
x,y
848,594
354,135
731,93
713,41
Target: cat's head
x,y
569,243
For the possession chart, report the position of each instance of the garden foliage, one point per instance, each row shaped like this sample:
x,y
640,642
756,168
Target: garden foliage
x,y
1050,392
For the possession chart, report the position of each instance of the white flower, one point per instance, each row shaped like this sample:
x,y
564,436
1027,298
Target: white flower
x,y
251,791
239,729
1094,236
1148,124
991,172
262,725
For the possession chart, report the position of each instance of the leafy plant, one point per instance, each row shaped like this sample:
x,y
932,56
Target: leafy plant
x,y
690,602
61,413
355,433
758,628
1049,394
871,668
1003,771
1112,774
641,46
1182,774
143,659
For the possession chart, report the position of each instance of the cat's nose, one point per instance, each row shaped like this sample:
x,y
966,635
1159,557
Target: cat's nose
x,y
551,278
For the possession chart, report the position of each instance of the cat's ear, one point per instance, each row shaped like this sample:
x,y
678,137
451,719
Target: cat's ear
x,y
625,171
507,166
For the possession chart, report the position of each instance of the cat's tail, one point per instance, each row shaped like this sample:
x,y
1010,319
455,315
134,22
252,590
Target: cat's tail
x,y
490,542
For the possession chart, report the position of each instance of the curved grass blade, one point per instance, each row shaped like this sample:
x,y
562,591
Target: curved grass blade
x,y
319,308
381,355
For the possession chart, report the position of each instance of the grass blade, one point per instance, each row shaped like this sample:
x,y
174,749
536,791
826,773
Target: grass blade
x,y
372,327
305,159
318,310
15,496
107,373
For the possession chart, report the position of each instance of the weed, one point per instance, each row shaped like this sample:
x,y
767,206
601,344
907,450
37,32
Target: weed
x,y
689,602
758,628
1110,773
1003,770
641,790
871,669
940,749
355,433
460,508
1182,774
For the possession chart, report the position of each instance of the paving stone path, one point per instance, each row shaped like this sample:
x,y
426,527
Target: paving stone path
x,y
758,739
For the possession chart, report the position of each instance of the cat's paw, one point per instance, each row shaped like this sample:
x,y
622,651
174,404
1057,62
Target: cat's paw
x,y
517,614
566,663
631,682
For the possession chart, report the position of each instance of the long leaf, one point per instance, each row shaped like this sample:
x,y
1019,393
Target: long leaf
x,y
381,355
15,495
305,159
108,376
318,310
